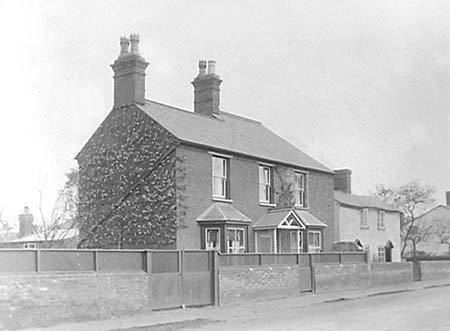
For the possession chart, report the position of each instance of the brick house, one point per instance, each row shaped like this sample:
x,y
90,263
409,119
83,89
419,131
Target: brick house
x,y
156,176
367,221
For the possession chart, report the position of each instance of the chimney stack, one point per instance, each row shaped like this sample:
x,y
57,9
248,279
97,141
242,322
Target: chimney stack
x,y
129,73
343,180
25,223
447,194
207,89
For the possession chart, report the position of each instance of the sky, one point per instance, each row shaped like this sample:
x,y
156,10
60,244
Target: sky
x,y
355,84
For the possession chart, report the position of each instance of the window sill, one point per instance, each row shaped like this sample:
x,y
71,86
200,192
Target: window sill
x,y
222,199
382,229
267,204
364,227
300,207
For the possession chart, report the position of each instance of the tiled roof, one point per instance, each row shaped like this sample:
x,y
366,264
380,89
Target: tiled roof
x,y
362,201
272,218
230,133
222,212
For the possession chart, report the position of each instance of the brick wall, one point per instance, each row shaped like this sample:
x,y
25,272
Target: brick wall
x,y
44,299
250,283
337,277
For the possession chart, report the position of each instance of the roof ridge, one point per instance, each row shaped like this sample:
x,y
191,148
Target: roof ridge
x,y
202,115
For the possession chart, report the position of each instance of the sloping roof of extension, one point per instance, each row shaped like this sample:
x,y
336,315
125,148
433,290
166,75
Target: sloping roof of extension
x,y
61,234
229,132
273,217
445,208
222,212
362,201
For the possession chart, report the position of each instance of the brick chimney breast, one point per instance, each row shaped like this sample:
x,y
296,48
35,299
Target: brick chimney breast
x,y
343,180
207,89
129,73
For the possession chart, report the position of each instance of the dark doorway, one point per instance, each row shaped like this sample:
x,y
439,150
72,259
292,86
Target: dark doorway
x,y
388,251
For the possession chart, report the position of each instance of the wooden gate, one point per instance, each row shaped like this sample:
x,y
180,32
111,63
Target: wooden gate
x,y
181,278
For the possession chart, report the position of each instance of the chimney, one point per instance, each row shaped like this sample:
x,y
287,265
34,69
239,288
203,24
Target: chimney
x,y
447,194
343,180
129,73
25,223
207,89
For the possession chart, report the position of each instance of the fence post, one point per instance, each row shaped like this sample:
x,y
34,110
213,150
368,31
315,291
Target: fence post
x,y
215,276
96,260
298,258
148,270
310,260
340,258
181,270
38,260
260,259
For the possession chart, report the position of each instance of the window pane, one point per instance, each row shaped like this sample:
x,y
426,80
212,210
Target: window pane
x,y
218,165
212,239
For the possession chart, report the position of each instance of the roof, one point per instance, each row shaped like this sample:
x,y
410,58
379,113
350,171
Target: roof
x,y
222,212
61,234
229,132
362,201
273,217
432,209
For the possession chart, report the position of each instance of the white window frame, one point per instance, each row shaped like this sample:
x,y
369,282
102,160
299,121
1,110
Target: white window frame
x,y
380,221
381,253
206,239
312,248
224,177
266,184
29,246
364,218
300,192
234,250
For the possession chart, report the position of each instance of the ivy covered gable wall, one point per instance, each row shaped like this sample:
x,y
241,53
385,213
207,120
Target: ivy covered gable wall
x,y
128,184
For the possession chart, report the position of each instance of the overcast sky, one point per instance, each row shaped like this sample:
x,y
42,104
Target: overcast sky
x,y
357,84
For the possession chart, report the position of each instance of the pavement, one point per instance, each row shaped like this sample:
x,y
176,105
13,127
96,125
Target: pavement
x,y
176,319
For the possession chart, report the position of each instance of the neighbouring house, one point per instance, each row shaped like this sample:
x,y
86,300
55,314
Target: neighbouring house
x,y
28,237
156,176
433,228
365,221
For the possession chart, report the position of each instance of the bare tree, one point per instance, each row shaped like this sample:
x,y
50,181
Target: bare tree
x,y
440,232
410,199
56,227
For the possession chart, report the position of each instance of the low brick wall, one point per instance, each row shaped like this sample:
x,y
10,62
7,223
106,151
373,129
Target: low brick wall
x,y
44,299
237,284
339,277
435,270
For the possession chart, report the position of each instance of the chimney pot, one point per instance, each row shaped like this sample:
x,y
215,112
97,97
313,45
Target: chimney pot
x,y
134,39
211,67
201,67
124,46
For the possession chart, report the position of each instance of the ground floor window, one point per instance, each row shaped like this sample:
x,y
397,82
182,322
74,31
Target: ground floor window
x,y
381,254
300,242
235,240
314,241
212,236
29,245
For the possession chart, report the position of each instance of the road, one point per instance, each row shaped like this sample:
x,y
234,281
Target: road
x,y
426,309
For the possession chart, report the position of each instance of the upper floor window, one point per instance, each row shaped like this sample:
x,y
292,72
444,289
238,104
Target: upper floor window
x,y
381,219
364,220
300,189
220,173
265,184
